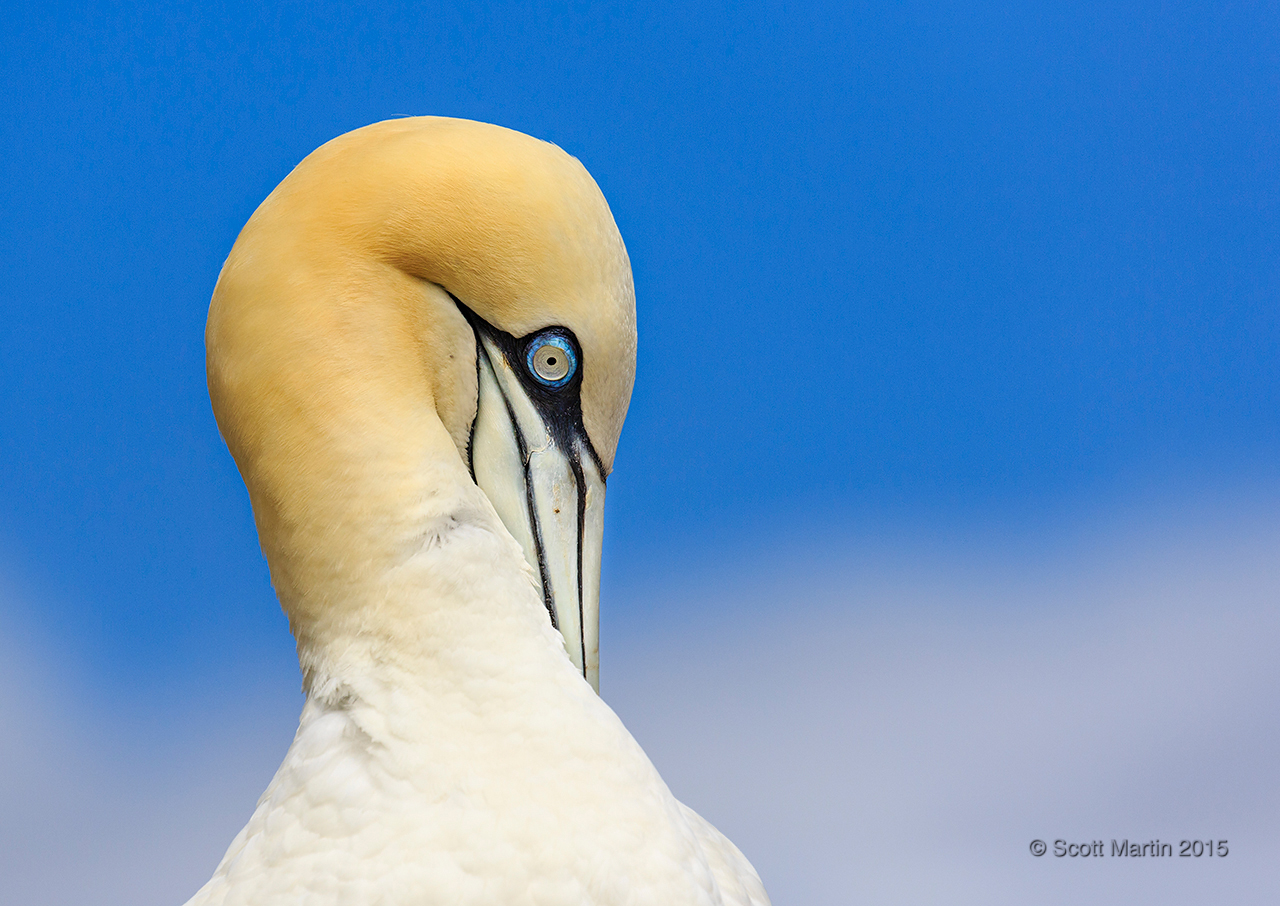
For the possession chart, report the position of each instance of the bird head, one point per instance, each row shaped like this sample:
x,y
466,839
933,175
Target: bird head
x,y
428,318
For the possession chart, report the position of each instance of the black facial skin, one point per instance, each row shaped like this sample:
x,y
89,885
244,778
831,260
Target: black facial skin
x,y
560,407
561,412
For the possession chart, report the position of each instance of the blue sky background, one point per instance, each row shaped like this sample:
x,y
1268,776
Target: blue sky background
x,y
934,283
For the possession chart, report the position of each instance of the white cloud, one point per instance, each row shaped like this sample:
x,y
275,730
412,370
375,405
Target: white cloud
x,y
890,728
901,734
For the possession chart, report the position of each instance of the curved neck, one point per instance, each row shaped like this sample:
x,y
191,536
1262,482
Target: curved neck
x,y
459,613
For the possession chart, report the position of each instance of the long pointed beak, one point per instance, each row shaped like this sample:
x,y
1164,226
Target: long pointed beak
x,y
539,471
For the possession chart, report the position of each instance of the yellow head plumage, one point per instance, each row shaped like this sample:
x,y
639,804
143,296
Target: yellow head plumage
x,y
342,373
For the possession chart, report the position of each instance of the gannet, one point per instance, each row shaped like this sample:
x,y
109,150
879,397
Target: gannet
x,y
420,352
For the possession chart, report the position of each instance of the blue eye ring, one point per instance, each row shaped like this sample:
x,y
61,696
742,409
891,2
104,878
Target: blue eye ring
x,y
551,360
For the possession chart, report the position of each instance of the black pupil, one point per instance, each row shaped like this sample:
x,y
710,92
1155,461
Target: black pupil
x,y
551,360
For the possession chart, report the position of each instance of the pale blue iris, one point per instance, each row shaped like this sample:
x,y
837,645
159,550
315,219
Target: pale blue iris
x,y
551,360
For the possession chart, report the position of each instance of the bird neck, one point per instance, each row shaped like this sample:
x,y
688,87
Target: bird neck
x,y
449,608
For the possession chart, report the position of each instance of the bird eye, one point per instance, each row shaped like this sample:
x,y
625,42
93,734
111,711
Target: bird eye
x,y
551,360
